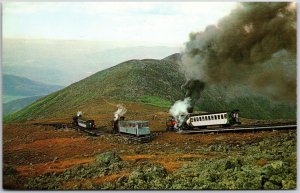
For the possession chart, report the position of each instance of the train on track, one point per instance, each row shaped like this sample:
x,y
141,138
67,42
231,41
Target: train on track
x,y
78,120
202,121
139,131
132,127
136,130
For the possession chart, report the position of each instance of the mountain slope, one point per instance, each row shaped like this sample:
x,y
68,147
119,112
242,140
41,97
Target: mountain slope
x,y
145,81
19,86
154,82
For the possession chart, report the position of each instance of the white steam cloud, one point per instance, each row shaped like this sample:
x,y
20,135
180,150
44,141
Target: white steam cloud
x,y
121,110
180,108
79,113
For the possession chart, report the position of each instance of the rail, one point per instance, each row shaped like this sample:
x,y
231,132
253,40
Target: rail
x,y
241,129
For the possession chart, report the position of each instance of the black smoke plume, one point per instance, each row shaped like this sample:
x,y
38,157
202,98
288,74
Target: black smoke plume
x,y
255,45
193,89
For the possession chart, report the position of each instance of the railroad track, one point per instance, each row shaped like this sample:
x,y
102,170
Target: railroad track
x,y
93,132
249,128
57,125
97,132
136,139
246,128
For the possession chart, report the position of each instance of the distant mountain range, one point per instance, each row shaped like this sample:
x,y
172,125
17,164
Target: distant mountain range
x,y
70,61
20,86
19,92
147,81
18,104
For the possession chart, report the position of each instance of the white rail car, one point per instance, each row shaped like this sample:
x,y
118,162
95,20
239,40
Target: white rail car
x,y
221,118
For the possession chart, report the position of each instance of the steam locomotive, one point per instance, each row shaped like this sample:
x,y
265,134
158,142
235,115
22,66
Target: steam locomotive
x,y
134,131
201,121
79,121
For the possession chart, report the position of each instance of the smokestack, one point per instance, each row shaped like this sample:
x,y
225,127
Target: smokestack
x,y
255,46
193,89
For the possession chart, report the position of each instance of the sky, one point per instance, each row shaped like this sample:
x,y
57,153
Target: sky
x,y
161,23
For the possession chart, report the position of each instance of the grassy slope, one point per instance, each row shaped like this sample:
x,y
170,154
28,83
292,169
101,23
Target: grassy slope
x,y
147,81
154,82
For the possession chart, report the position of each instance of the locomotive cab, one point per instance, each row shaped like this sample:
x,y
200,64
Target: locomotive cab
x,y
170,123
234,117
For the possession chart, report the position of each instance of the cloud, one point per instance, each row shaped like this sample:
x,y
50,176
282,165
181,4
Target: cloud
x,y
120,21
30,7
147,8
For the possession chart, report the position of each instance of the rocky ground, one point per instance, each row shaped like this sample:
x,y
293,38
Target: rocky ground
x,y
39,157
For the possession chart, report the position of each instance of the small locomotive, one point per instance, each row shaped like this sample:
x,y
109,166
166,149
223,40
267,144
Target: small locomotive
x,y
78,120
170,123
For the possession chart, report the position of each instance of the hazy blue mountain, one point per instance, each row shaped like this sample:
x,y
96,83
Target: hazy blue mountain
x,y
18,104
20,87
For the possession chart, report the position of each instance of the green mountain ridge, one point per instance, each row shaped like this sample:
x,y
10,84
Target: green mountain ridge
x,y
148,81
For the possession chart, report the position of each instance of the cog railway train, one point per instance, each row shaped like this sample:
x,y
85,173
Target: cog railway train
x,y
190,121
79,121
130,127
202,121
137,128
